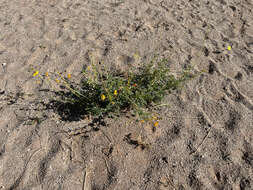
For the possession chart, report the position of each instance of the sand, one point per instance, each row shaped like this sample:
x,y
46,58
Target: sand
x,y
204,140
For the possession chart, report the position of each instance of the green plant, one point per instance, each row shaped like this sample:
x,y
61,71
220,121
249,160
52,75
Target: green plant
x,y
103,92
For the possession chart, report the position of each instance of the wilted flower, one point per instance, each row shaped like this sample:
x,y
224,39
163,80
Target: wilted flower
x,y
154,118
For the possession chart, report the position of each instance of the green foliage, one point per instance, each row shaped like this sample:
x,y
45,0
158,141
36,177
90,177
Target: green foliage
x,y
102,92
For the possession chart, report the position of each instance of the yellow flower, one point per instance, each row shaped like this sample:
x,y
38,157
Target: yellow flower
x,y
156,123
136,56
36,73
46,74
69,76
229,48
103,97
142,121
89,68
115,92
57,80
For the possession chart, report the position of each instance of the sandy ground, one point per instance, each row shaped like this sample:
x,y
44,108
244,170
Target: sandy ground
x,y
205,139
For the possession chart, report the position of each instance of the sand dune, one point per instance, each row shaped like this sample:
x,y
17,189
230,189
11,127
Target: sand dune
x,y
205,139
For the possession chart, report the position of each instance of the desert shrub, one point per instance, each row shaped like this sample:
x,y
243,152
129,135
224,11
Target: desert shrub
x,y
104,92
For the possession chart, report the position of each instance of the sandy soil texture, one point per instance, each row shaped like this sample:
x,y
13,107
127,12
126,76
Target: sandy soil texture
x,y
205,139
